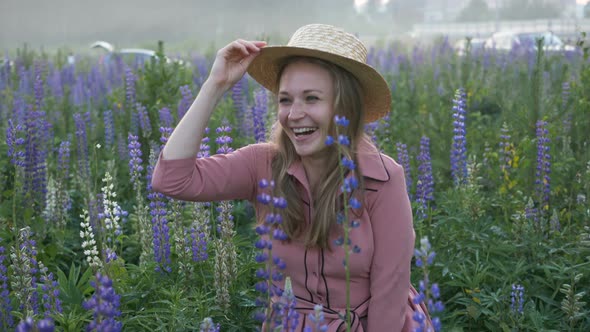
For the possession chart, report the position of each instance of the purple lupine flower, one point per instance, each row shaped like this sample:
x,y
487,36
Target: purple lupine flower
x,y
198,245
104,305
45,325
317,319
165,117
204,148
402,156
6,319
144,120
208,326
223,140
98,85
160,229
36,145
78,91
165,134
343,140
260,111
425,185
543,170
459,148
129,87
15,144
272,265
109,129
24,80
55,83
19,110
239,96
348,163
68,75
135,162
371,131
82,140
202,66
38,87
350,182
185,101
287,318
28,325
110,255
427,293
341,121
50,294
517,299
122,148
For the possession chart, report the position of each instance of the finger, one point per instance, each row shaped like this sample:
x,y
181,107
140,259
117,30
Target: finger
x,y
237,48
248,60
253,46
259,43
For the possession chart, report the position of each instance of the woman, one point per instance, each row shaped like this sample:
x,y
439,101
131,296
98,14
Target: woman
x,y
321,73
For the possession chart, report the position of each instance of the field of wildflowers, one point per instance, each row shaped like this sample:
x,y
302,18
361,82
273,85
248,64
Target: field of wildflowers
x,y
496,149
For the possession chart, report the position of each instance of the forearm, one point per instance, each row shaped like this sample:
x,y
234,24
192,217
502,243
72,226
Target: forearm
x,y
185,140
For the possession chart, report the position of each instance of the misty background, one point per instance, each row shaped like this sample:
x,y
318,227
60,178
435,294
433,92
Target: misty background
x,y
199,24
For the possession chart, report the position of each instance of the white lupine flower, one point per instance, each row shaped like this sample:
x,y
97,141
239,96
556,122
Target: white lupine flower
x,y
111,207
88,243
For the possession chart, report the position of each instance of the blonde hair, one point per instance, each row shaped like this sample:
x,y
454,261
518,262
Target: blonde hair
x,y
327,200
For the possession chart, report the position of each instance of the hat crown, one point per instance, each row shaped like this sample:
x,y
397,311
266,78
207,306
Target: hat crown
x,y
327,38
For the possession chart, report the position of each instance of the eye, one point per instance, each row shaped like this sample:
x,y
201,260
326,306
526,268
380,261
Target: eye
x,y
284,100
312,98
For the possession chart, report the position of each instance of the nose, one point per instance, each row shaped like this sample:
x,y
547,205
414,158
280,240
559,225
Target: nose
x,y
296,112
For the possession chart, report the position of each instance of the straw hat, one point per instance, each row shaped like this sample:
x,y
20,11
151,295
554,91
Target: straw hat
x,y
333,45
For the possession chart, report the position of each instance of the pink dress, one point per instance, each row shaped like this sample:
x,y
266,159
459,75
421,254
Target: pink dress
x,y
381,293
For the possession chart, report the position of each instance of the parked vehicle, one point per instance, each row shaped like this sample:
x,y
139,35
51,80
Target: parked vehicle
x,y
476,45
526,42
131,56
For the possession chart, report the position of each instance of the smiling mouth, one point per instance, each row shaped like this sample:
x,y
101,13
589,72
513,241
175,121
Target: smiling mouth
x,y
299,132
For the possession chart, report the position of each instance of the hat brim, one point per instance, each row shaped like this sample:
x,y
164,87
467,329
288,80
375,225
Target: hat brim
x,y
376,93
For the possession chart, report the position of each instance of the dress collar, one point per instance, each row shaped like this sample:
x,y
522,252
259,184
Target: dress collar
x,y
369,158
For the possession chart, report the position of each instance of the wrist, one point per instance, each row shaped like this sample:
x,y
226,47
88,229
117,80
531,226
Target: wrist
x,y
213,89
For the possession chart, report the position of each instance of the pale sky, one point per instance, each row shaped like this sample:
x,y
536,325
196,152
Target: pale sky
x,y
359,3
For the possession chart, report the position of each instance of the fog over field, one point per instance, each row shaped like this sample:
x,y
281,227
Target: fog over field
x,y
139,22
190,24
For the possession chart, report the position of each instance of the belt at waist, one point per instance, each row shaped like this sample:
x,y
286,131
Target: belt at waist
x,y
336,317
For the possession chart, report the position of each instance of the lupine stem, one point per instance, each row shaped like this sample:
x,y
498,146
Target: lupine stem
x,y
345,244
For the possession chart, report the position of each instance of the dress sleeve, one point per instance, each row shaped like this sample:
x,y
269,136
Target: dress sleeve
x,y
393,236
220,177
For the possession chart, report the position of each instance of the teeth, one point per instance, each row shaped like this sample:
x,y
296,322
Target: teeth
x,y
303,130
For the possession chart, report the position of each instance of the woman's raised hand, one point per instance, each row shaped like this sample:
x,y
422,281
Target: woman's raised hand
x,y
232,61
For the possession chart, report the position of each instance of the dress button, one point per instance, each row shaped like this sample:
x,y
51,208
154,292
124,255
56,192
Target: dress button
x,y
315,274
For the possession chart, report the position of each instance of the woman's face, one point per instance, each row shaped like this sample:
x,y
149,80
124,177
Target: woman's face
x,y
306,106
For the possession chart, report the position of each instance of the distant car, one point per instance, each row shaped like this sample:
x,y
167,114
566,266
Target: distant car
x,y
527,42
131,56
5,62
476,45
